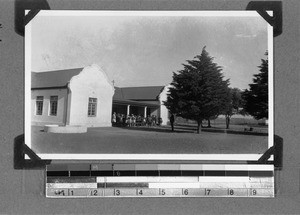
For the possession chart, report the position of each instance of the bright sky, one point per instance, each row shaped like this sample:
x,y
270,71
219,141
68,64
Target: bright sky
x,y
145,50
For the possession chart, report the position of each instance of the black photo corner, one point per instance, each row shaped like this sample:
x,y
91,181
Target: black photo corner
x,y
34,6
262,7
20,148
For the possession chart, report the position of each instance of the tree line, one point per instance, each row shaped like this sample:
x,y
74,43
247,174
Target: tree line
x,y
200,92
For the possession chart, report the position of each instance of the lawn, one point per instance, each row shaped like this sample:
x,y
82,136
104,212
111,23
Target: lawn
x,y
158,140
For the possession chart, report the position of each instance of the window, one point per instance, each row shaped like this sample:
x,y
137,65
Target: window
x,y
53,105
92,107
39,105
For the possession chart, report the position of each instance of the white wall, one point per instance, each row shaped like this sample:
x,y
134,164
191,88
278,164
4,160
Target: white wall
x,y
46,118
91,82
164,112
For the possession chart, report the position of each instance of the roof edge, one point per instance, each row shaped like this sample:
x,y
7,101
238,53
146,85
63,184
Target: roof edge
x,y
49,88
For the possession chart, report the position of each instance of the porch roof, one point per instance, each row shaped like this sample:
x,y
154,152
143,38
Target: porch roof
x,y
145,93
135,103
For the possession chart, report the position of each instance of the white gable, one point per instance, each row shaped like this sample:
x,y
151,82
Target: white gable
x,y
91,82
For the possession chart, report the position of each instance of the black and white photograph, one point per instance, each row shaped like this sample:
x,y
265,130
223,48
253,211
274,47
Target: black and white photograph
x,y
149,107
149,85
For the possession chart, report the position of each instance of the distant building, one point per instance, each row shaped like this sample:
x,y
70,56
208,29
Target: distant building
x,y
141,101
85,96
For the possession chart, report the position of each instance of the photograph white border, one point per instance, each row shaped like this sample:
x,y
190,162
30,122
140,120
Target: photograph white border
x,y
150,157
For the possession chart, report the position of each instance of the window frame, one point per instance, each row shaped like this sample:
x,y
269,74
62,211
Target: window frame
x,y
55,103
92,107
39,105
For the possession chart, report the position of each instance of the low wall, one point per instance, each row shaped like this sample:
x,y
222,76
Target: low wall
x,y
65,129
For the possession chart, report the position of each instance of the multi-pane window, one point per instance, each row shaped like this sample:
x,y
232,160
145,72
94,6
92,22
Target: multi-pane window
x,y
92,107
53,105
39,105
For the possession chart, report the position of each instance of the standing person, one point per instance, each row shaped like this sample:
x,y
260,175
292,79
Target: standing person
x,y
172,119
129,121
152,120
114,119
118,119
160,121
139,120
123,120
144,121
149,121
133,120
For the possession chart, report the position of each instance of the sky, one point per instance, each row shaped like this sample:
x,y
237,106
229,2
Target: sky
x,y
146,50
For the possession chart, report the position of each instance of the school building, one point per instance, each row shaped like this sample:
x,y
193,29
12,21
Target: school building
x,y
85,96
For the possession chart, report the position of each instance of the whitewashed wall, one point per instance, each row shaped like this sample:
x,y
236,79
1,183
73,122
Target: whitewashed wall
x,y
164,112
90,82
46,118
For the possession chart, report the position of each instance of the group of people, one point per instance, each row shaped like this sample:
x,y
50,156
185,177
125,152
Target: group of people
x,y
135,120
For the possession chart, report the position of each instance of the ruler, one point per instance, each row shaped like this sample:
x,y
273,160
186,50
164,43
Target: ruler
x,y
159,180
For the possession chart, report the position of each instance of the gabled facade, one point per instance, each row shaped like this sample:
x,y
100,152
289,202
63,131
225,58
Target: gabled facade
x,y
72,97
85,96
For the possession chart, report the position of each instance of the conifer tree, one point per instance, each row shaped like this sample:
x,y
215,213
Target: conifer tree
x,y
198,91
256,98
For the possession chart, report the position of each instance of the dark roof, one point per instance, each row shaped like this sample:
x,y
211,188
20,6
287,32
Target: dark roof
x,y
135,103
60,78
53,79
138,93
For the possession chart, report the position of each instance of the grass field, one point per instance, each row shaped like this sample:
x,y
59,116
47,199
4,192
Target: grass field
x,y
155,140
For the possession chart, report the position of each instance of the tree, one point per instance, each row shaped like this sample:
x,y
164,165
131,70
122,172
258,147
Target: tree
x,y
233,104
256,98
209,119
198,91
